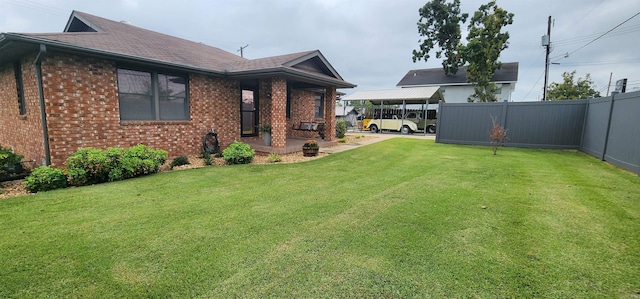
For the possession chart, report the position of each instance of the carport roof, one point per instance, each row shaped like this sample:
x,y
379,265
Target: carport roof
x,y
414,95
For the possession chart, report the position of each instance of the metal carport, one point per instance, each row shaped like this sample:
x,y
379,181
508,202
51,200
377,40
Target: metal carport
x,y
405,96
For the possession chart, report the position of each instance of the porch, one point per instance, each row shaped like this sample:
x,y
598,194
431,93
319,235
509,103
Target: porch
x,y
293,144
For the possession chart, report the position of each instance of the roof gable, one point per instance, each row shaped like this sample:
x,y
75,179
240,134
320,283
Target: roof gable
x,y
508,73
311,62
77,23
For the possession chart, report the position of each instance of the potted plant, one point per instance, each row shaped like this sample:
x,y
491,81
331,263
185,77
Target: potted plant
x,y
266,133
310,148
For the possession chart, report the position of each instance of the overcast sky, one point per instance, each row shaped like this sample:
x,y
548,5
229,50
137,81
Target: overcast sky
x,y
369,42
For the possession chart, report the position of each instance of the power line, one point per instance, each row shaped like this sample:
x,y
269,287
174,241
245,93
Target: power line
x,y
581,19
620,61
38,6
532,86
597,38
584,38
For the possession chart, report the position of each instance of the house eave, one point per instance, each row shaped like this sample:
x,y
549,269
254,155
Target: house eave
x,y
450,84
292,74
25,44
34,42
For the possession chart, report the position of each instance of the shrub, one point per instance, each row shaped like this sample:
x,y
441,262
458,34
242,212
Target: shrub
x,y
206,156
9,162
87,166
342,140
273,158
341,128
497,135
45,178
178,161
141,160
238,153
92,166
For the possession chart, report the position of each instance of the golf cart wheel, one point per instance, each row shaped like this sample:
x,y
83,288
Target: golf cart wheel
x,y
373,128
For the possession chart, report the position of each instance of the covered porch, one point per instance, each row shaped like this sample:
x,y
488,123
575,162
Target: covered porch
x,y
280,93
292,145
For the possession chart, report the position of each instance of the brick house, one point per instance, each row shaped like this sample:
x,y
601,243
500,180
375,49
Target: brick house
x,y
103,83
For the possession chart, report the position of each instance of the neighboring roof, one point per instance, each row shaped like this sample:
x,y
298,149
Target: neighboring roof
x,y
417,95
94,35
435,76
345,110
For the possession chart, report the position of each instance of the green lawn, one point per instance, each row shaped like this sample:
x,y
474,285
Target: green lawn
x,y
399,218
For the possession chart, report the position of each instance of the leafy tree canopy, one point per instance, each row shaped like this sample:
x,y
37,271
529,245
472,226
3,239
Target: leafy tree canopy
x,y
485,43
572,90
440,24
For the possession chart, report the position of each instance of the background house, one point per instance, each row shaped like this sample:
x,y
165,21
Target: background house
x,y
456,88
102,83
347,113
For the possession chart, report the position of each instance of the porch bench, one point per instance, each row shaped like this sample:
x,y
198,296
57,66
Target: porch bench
x,y
309,126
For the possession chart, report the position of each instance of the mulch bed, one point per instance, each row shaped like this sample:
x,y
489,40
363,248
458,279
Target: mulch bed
x,y
17,188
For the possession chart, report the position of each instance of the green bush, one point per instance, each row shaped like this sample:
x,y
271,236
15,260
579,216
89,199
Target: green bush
x,y
87,166
178,161
45,178
206,156
9,162
273,158
238,153
341,128
92,166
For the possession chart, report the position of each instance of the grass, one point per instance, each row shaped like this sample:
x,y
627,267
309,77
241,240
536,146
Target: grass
x,y
400,218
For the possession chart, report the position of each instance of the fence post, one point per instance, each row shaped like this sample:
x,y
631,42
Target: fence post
x,y
503,119
584,123
606,136
438,116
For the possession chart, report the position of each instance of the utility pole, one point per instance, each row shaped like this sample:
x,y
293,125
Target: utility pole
x,y
240,50
546,42
609,85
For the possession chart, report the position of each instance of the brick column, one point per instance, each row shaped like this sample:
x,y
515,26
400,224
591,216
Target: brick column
x,y
278,112
330,114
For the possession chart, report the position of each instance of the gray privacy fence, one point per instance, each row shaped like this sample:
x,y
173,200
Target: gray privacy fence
x,y
607,128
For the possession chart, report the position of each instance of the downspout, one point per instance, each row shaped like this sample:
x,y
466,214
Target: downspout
x,y
43,114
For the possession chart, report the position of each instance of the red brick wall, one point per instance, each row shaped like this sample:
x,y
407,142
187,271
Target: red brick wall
x,y
302,110
22,132
330,114
82,111
278,112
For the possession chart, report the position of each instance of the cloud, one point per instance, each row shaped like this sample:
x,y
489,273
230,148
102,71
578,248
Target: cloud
x,y
369,42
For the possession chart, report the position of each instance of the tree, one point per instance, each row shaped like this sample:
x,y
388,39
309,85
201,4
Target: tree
x,y
570,90
485,43
440,24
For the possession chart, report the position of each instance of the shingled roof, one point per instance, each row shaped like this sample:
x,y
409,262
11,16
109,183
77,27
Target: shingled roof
x,y
435,76
94,35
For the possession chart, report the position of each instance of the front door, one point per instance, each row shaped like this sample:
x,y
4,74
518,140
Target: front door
x,y
249,112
